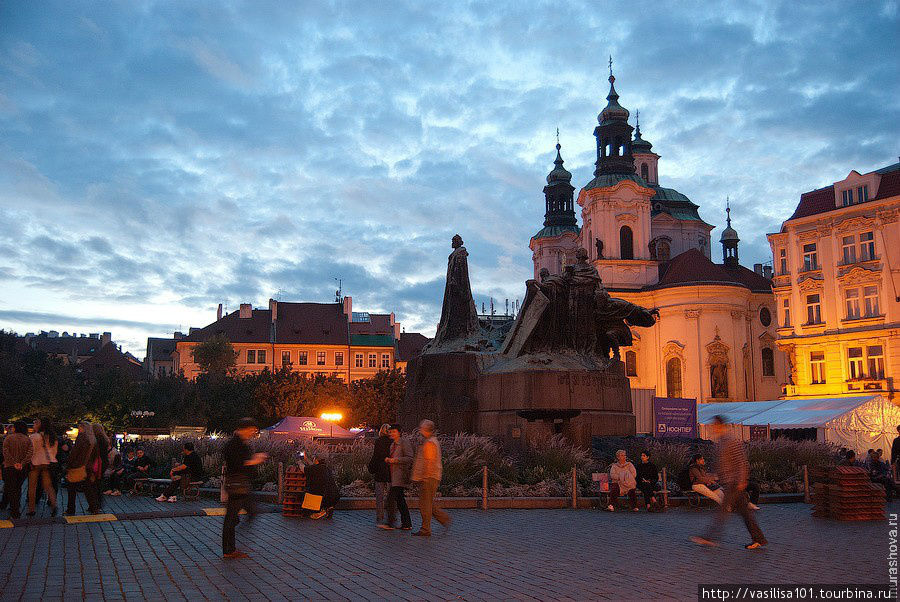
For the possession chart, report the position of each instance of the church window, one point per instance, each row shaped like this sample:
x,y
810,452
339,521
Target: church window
x,y
630,363
765,316
673,377
768,361
817,367
626,243
645,172
662,250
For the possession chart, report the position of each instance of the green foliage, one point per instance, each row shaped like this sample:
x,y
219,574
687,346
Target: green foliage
x,y
377,400
215,356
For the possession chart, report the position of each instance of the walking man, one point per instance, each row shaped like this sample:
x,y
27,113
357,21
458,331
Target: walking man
x,y
17,452
238,469
734,473
427,471
381,471
400,461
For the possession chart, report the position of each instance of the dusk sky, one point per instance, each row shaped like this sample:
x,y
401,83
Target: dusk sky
x,y
158,158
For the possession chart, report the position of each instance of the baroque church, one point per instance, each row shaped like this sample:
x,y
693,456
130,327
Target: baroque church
x,y
715,339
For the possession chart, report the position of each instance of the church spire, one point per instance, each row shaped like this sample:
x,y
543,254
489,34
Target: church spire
x,y
558,194
613,135
729,239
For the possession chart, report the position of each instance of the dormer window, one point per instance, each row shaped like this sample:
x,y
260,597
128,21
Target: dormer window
x,y
862,194
847,197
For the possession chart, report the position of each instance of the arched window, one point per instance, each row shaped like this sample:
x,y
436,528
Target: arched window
x,y
626,243
630,363
768,361
645,172
673,377
662,250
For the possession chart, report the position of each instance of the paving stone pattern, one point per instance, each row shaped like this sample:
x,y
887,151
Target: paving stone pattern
x,y
488,555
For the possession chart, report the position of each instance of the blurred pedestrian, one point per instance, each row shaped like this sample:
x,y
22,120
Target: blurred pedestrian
x,y
100,460
17,452
427,471
79,471
45,446
734,474
381,472
400,462
239,463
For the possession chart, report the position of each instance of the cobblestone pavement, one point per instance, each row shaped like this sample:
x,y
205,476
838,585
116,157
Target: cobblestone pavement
x,y
497,554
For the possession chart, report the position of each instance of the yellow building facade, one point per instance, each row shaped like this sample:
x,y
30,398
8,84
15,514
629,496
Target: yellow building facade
x,y
837,287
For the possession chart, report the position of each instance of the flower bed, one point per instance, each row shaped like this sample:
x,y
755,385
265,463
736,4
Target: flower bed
x,y
540,470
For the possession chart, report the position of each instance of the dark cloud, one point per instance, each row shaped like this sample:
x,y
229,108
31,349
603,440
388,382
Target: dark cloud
x,y
186,154
56,319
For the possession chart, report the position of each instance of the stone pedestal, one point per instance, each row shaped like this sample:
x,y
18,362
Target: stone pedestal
x,y
463,392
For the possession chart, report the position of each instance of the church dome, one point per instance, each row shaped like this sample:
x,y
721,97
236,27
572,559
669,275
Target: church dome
x,y
559,173
613,111
729,234
639,145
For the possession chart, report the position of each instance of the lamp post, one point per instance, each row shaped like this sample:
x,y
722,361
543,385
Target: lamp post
x,y
331,417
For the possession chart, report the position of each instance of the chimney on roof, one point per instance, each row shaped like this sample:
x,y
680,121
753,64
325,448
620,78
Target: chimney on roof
x,y
273,307
246,310
757,267
105,338
767,272
348,307
178,335
52,334
219,313
94,335
395,325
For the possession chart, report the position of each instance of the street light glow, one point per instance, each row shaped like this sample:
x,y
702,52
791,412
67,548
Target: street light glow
x,y
331,416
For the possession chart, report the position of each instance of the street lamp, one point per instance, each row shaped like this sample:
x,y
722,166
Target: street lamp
x,y
331,417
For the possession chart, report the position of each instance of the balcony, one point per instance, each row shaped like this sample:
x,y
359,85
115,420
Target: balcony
x,y
866,385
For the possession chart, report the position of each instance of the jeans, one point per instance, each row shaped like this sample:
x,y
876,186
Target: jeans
x,y
89,489
180,479
42,472
614,493
738,502
717,495
428,508
397,499
12,489
232,517
381,492
648,490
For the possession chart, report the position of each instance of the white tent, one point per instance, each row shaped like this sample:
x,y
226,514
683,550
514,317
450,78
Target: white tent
x,y
858,423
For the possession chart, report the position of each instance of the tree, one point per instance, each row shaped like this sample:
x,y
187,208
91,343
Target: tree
x,y
377,400
215,356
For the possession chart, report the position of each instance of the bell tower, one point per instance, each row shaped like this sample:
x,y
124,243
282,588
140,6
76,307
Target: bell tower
x,y
613,135
729,241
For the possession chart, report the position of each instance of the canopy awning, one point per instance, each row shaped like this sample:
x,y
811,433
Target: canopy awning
x,y
307,426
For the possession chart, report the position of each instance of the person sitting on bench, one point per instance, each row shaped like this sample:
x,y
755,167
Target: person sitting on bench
x,y
622,481
190,469
880,473
703,482
648,479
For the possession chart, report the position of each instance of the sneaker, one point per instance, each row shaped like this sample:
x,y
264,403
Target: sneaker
x,y
172,499
753,506
116,493
421,533
107,492
636,509
409,528
318,515
385,526
236,554
610,508
162,498
702,541
754,545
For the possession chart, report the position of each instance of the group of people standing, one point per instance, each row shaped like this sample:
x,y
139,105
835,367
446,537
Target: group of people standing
x,y
395,467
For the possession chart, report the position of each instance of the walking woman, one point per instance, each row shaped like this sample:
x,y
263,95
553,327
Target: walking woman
x,y
101,462
45,444
78,469
381,471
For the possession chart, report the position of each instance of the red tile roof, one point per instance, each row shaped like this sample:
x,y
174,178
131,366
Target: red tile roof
x,y
75,346
817,201
693,267
889,186
110,358
377,324
410,345
311,323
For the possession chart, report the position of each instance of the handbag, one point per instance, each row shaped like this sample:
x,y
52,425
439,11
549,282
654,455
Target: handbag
x,y
76,475
312,502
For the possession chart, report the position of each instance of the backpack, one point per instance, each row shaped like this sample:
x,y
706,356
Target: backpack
x,y
684,478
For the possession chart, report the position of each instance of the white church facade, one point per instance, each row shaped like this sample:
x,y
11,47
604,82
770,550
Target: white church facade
x,y
715,340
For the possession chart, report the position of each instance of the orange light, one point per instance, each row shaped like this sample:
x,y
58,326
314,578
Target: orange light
x,y
331,416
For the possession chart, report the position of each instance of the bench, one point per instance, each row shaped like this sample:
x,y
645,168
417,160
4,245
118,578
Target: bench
x,y
602,480
145,485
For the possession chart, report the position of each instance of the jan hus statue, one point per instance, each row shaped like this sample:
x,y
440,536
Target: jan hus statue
x,y
459,320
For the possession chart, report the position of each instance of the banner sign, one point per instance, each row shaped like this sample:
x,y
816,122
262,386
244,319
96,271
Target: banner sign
x,y
675,417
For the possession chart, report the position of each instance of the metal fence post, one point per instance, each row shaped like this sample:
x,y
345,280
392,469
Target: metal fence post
x,y
574,487
280,482
484,488
665,491
806,497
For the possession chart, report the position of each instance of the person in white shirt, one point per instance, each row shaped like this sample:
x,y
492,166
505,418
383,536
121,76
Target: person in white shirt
x,y
622,481
45,444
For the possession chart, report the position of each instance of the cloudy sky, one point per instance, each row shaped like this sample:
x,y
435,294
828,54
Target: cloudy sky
x,y
158,158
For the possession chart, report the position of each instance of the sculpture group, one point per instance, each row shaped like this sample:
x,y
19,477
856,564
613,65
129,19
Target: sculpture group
x,y
556,369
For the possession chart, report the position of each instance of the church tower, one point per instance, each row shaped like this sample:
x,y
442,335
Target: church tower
x,y
729,241
645,160
613,136
555,244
